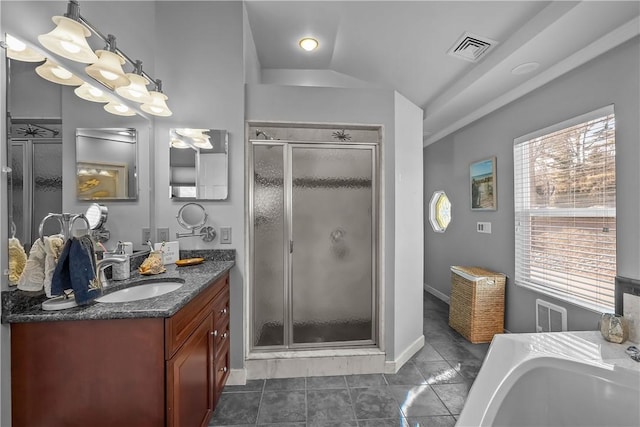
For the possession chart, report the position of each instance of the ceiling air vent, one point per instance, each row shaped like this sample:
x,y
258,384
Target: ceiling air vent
x,y
471,47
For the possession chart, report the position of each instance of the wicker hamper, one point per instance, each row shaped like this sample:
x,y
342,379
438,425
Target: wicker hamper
x,y
476,308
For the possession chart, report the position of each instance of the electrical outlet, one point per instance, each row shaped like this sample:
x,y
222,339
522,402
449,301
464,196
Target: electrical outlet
x,y
146,235
484,227
163,234
225,235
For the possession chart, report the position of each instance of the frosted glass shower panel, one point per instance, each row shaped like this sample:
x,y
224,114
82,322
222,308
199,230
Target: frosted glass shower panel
x,y
47,185
269,232
332,233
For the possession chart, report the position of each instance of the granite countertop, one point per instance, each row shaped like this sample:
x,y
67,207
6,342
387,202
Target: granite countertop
x,y
21,307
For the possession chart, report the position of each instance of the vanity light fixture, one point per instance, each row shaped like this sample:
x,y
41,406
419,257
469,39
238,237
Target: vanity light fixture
x,y
57,74
18,50
91,93
179,143
108,69
202,142
69,38
308,44
157,106
119,109
137,88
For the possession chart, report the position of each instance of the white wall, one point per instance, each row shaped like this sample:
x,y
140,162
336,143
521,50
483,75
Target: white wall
x,y
408,298
612,78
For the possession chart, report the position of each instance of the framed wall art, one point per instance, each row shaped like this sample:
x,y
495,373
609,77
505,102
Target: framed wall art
x,y
483,188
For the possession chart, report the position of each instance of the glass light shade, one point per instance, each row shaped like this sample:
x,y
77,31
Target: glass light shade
x,y
136,90
179,143
108,70
68,40
91,93
157,106
56,74
18,50
115,107
308,44
191,132
202,143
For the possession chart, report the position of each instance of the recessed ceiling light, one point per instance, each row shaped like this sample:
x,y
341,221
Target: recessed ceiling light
x,y
308,44
525,68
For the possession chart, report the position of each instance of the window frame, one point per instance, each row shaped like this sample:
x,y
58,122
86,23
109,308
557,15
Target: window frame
x,y
524,211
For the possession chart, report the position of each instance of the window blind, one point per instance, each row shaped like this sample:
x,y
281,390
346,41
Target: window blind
x,y
565,210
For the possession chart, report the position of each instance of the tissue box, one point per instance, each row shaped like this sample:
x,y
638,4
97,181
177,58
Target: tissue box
x,y
170,252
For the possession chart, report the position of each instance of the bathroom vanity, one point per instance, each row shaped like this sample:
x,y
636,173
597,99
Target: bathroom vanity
x,y
160,361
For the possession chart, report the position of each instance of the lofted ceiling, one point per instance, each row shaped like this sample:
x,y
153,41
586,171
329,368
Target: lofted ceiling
x,y
403,45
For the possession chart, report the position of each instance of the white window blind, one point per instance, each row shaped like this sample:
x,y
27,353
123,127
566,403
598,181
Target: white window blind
x,y
565,210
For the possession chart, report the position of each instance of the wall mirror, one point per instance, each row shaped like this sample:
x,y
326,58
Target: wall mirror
x,y
198,164
42,121
106,163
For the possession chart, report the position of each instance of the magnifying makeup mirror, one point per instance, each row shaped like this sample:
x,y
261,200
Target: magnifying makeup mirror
x,y
97,217
192,216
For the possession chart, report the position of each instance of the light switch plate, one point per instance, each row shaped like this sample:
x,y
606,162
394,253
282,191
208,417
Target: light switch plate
x,y
163,234
225,235
484,227
146,235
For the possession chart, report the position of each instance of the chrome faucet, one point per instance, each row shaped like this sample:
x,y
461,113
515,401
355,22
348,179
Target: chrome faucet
x,y
104,263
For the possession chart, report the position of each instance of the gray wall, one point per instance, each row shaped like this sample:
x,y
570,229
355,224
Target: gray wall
x,y
612,78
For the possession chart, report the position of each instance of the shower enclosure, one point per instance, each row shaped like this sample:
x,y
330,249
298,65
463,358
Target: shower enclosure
x,y
313,243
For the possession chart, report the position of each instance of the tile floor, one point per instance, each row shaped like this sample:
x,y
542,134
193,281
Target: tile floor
x,y
429,390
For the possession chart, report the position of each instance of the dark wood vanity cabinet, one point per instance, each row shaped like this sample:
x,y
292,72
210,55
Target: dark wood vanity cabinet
x,y
125,372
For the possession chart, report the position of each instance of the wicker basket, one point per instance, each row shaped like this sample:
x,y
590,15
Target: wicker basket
x,y
476,308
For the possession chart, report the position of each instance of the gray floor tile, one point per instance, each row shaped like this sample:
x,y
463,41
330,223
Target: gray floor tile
x,y
427,354
478,350
467,368
284,384
332,424
282,407
452,350
283,425
374,402
333,382
407,375
251,385
418,401
452,395
366,380
388,422
438,372
236,408
329,405
439,421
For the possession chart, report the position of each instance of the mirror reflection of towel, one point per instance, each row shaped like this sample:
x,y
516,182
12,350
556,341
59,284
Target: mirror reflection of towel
x,y
76,270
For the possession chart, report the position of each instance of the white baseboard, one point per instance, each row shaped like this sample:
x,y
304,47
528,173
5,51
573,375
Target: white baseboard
x,y
237,377
436,293
392,366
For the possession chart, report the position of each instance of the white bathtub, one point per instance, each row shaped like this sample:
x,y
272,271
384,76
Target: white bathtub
x,y
557,379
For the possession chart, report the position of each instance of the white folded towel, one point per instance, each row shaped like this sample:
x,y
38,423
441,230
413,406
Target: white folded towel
x,y
17,260
53,248
32,278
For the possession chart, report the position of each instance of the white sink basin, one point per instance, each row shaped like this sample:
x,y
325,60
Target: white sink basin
x,y
138,292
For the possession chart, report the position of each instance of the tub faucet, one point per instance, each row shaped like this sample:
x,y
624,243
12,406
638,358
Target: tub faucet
x,y
104,263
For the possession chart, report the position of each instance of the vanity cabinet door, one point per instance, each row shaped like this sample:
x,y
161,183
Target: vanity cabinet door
x,y
190,379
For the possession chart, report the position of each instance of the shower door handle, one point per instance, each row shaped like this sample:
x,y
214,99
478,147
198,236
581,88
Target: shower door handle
x,y
290,246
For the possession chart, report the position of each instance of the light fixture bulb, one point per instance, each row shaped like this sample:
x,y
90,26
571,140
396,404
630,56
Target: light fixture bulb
x,y
108,69
308,44
56,74
179,143
136,90
18,50
68,40
157,106
91,93
119,109
202,142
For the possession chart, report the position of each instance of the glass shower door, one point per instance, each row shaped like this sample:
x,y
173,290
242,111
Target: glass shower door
x,y
332,244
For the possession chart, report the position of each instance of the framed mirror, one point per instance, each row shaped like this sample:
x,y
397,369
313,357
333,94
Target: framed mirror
x,y
198,164
106,164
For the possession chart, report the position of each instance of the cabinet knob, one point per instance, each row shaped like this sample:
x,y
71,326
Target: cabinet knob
x,y
225,335
224,311
215,333
224,369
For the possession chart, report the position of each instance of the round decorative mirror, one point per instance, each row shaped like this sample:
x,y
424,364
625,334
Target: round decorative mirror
x,y
191,216
439,211
96,215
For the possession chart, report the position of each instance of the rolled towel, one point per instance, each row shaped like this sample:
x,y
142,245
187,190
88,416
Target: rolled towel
x,y
53,248
17,260
32,278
